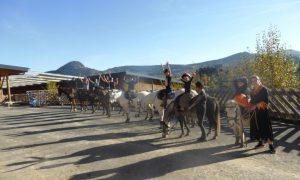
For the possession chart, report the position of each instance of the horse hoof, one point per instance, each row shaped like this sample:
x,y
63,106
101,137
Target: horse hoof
x,y
202,139
180,136
127,121
214,138
243,146
187,134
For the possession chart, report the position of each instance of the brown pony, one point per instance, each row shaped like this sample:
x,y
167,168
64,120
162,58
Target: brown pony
x,y
69,89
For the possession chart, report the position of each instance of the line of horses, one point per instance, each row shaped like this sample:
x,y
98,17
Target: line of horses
x,y
149,102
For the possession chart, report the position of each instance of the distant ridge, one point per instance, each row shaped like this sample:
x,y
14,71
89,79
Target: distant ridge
x,y
76,68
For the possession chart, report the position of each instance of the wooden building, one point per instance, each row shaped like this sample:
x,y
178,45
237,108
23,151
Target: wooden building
x,y
145,82
6,72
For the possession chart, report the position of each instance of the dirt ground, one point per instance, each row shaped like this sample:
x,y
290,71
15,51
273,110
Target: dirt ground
x,y
52,143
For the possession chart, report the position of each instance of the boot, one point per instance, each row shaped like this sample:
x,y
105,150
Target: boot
x,y
259,145
272,149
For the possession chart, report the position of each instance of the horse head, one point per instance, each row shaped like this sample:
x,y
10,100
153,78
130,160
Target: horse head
x,y
232,112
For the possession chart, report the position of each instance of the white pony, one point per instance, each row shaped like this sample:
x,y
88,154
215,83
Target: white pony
x,y
152,102
119,96
147,104
236,121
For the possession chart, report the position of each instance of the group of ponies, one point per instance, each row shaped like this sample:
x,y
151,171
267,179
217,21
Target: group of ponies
x,y
149,102
96,96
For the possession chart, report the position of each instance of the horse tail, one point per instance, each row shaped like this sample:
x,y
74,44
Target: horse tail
x,y
218,118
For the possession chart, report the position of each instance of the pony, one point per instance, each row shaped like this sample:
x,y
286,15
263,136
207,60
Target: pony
x,y
102,96
68,88
237,121
157,102
120,97
147,104
211,111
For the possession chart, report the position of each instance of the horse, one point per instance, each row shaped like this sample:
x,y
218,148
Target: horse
x,y
237,121
69,89
120,97
212,112
157,102
102,96
179,109
147,104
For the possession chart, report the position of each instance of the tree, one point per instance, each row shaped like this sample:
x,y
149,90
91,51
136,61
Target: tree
x,y
52,93
272,64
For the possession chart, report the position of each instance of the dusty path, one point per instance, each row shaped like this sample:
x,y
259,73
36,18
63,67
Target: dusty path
x,y
51,143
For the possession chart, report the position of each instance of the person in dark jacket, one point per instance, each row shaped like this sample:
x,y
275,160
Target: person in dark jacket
x,y
168,89
187,79
260,124
200,104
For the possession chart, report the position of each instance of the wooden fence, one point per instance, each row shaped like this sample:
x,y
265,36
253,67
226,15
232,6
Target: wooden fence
x,y
284,104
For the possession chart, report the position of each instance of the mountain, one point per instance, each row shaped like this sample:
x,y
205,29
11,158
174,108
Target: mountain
x,y
78,69
75,68
155,70
295,54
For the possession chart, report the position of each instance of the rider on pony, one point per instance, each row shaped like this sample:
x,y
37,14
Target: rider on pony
x,y
187,79
168,77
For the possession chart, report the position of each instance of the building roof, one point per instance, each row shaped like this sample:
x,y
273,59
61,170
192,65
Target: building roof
x,y
35,78
7,70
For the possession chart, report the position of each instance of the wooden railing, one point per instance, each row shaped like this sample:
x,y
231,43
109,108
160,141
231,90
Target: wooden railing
x,y
284,104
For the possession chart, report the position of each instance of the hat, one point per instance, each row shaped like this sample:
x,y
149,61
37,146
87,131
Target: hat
x,y
186,74
199,84
166,70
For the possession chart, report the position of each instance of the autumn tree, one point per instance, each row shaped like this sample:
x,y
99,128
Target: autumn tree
x,y
272,63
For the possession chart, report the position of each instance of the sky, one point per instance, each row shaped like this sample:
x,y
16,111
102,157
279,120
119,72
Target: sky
x,y
43,35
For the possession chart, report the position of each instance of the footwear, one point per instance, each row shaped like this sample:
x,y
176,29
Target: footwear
x,y
259,145
272,149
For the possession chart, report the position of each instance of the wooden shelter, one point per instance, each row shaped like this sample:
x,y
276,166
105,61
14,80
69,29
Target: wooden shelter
x,y
5,72
145,82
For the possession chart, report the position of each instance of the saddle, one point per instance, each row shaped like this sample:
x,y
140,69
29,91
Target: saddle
x,y
130,95
161,94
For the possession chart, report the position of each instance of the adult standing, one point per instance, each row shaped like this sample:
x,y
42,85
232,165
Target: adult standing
x,y
260,125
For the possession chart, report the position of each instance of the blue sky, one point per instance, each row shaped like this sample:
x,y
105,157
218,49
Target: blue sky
x,y
46,34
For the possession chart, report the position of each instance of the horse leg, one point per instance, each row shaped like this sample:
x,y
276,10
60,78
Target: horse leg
x,y
186,126
108,110
71,110
85,106
181,121
139,111
127,118
147,114
209,131
242,137
203,133
74,105
237,140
